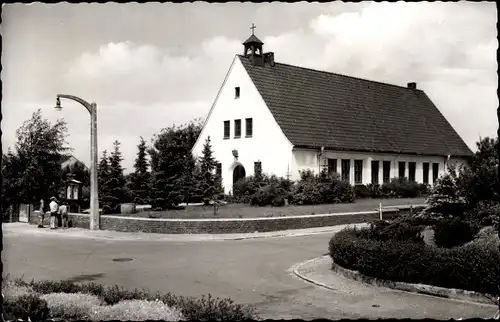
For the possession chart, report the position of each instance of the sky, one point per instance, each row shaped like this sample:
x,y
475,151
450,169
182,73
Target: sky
x,y
148,66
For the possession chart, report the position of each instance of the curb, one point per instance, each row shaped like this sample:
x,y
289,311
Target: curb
x,y
430,290
124,236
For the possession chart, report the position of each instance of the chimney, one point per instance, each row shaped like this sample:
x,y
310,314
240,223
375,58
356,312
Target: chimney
x,y
412,85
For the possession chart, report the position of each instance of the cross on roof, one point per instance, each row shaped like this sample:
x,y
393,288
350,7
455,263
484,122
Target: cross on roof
x,y
253,27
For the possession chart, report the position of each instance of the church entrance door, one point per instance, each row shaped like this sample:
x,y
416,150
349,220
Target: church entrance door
x,y
238,173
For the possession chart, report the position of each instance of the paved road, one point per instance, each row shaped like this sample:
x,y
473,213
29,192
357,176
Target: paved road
x,y
253,272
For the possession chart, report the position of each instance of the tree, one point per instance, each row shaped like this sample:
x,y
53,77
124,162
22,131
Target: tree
x,y
33,170
210,184
170,157
140,179
116,182
103,176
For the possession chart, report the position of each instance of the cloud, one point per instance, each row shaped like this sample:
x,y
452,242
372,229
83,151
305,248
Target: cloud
x,y
449,49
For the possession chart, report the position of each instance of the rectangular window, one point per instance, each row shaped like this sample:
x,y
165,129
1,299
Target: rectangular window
x,y
332,166
435,172
425,166
227,129
257,168
249,128
358,171
237,129
386,171
412,168
236,92
375,168
402,168
346,168
218,170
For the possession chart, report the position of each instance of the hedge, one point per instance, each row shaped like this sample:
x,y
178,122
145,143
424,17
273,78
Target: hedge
x,y
470,267
204,308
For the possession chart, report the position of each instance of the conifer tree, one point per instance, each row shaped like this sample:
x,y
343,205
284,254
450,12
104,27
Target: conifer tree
x,y
116,182
210,184
103,179
140,179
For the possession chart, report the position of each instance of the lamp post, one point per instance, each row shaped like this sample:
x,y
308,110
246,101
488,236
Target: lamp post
x,y
94,198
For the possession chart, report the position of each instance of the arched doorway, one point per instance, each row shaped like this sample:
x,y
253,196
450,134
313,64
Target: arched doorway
x,y
238,173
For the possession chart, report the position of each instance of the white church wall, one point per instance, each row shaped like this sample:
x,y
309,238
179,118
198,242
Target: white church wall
x,y
268,144
304,159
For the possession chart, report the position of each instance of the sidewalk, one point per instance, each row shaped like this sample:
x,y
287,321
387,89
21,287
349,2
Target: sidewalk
x,y
26,229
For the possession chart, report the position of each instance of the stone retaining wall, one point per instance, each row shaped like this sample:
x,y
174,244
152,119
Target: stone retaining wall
x,y
224,226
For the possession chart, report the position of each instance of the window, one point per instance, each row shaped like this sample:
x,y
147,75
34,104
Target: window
x,y
386,171
402,168
346,168
426,172
332,166
412,167
358,171
227,129
257,168
237,129
236,92
375,165
249,128
218,170
435,171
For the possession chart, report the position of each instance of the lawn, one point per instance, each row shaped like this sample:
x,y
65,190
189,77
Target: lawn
x,y
247,211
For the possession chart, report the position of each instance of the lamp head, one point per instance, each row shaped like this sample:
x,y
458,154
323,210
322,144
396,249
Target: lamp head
x,y
58,106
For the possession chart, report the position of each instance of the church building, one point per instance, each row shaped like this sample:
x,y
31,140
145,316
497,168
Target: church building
x,y
280,119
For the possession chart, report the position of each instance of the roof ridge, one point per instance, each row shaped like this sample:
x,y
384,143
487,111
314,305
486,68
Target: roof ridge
x,y
343,75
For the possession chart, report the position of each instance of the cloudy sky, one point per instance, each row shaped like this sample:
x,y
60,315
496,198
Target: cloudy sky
x,y
151,65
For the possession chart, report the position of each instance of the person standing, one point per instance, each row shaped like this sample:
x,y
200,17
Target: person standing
x,y
42,213
53,212
63,212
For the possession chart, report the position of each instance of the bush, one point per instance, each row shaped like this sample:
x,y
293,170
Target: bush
x,y
313,189
71,305
26,306
454,232
375,190
208,308
136,310
204,308
397,230
401,188
362,191
484,214
471,267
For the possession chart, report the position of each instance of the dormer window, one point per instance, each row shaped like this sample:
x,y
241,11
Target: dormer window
x,y
236,92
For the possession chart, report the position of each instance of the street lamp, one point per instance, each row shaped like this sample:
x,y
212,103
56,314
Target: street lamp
x,y
94,198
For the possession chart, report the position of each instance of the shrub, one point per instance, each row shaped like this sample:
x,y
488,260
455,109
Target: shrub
x,y
204,308
313,189
397,230
12,292
26,306
484,214
208,308
246,187
362,191
454,232
274,192
401,188
375,190
471,267
71,305
138,310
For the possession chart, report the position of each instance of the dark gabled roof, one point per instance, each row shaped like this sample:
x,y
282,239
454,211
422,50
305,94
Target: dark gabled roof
x,y
320,109
251,39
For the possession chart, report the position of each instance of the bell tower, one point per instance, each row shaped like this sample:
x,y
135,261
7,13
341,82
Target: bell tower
x,y
253,48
